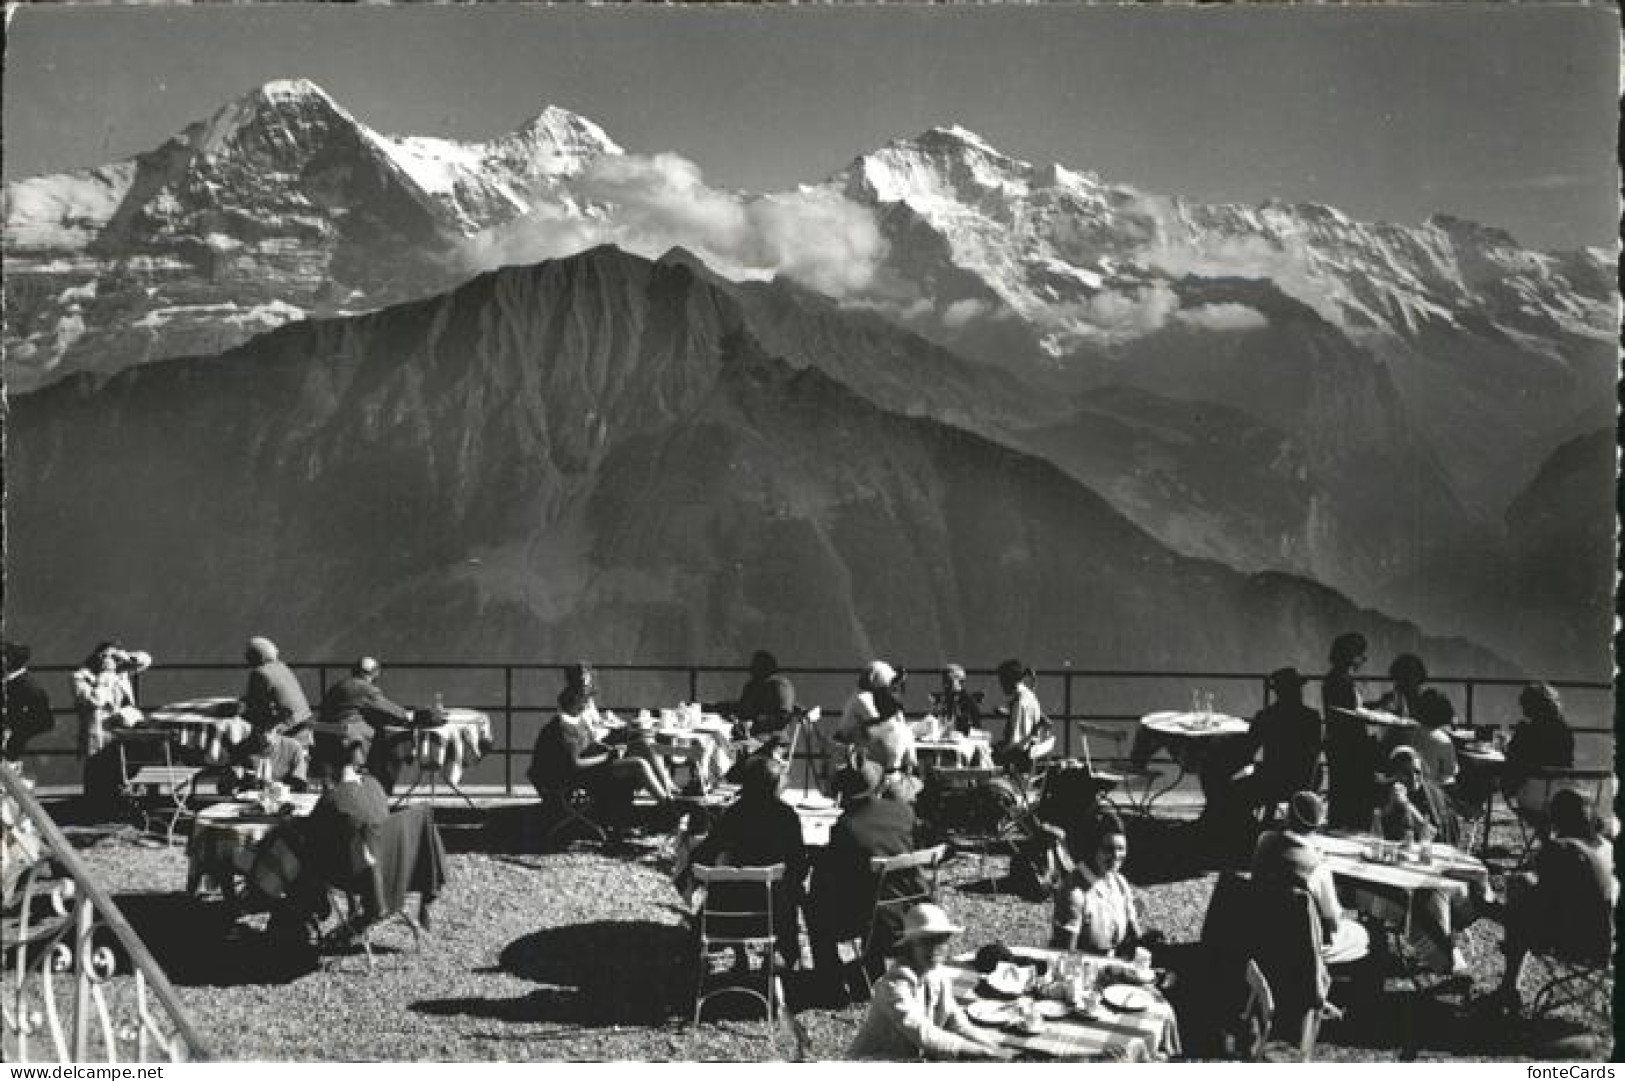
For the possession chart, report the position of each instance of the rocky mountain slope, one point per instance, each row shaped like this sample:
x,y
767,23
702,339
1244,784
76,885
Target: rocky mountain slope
x,y
595,455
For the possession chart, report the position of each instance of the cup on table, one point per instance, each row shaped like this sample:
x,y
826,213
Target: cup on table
x,y
1142,958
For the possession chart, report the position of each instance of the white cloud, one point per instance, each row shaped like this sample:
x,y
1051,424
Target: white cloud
x,y
1224,316
960,312
648,204
1120,312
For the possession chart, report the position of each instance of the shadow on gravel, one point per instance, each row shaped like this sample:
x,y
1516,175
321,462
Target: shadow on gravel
x,y
594,975
193,943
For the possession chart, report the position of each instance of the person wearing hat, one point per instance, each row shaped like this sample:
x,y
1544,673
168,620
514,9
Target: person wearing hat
x,y
860,707
27,706
843,889
956,706
912,1012
1289,856
888,742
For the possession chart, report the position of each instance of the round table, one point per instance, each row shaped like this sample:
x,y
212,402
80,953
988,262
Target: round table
x,y
1187,737
442,750
226,836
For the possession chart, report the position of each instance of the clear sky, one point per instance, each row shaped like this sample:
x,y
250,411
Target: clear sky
x,y
1504,114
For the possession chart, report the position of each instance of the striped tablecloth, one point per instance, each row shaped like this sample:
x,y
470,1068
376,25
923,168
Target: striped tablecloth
x,y
1140,1036
200,725
447,748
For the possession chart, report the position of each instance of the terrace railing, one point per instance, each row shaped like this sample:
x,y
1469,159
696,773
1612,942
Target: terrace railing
x,y
1084,703
77,983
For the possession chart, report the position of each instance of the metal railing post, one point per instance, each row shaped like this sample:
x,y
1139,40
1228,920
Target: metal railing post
x,y
693,684
1066,705
1468,689
507,711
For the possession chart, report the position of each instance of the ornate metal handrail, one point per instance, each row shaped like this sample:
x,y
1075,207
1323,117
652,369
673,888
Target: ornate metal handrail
x,y
60,988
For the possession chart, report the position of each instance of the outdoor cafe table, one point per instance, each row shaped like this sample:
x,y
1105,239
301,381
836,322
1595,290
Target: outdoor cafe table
x,y
443,750
955,752
1140,1035
1391,893
226,837
1376,718
817,814
207,727
1187,737
1483,764
710,741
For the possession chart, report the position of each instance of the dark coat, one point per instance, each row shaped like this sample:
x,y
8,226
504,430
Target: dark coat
x,y
27,714
274,699
358,699
843,890
1289,739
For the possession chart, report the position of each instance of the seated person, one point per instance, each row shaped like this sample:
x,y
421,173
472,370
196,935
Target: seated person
x,y
842,895
1566,906
860,707
1094,904
1541,741
1289,856
1431,738
27,706
360,705
342,832
1409,676
766,703
912,1012
758,830
1025,728
888,742
959,709
1416,809
567,753
275,706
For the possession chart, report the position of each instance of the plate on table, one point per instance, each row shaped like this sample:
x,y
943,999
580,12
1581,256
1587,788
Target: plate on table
x,y
991,1014
1127,998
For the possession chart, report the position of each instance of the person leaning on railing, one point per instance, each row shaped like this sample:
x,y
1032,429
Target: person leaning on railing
x,y
104,696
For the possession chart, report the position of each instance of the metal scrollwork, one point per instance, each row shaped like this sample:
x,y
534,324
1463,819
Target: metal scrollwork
x,y
63,995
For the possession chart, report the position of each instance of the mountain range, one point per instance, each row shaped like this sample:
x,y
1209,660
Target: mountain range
x,y
594,455
1278,389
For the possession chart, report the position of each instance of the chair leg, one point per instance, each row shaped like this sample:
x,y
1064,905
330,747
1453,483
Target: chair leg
x,y
1311,1032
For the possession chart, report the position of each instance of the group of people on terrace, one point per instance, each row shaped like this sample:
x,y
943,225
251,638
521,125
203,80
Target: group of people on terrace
x,y
1403,783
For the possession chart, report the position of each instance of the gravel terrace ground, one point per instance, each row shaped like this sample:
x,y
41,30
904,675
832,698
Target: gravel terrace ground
x,y
584,955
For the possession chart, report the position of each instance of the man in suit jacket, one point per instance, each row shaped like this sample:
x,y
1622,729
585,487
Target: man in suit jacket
x,y
843,890
358,705
27,706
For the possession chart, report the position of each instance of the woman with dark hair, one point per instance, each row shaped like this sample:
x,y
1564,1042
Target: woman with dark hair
x,y
758,830
1541,741
1094,905
1431,738
1408,676
1351,753
1567,904
568,752
1025,727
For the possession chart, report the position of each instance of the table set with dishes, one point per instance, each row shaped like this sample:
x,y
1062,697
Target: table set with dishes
x,y
1070,1006
203,729
687,733
443,750
227,837
1187,736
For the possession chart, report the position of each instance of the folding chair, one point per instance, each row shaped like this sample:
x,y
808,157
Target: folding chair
x,y
973,818
574,804
924,865
362,935
1574,981
727,919
1284,948
1529,804
156,787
